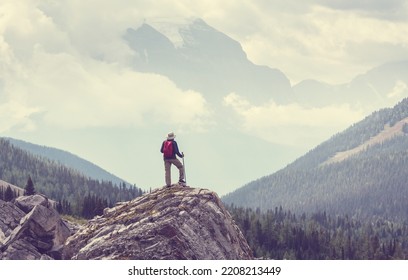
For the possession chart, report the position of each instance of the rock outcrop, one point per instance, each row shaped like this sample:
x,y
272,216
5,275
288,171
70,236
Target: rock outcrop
x,y
169,223
30,228
17,190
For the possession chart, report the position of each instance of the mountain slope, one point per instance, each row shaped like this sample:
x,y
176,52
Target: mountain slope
x,y
388,133
369,183
57,181
70,160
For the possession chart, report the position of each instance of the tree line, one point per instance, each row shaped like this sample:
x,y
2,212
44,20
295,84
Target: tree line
x,y
280,234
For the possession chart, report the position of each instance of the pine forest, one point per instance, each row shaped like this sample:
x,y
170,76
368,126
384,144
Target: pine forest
x,y
280,234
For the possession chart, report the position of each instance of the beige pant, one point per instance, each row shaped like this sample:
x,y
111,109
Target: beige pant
x,y
167,169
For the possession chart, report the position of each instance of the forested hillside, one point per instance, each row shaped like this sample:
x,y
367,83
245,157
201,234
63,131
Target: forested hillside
x,y
371,183
65,158
76,193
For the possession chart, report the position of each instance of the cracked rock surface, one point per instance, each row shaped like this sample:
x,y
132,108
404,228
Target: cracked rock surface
x,y
31,229
169,223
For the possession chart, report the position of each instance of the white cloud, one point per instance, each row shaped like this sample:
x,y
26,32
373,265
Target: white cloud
x,y
398,90
14,114
291,124
324,40
75,93
73,51
309,40
76,73
390,9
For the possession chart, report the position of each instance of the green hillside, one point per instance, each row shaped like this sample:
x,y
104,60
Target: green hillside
x,y
65,158
365,184
60,183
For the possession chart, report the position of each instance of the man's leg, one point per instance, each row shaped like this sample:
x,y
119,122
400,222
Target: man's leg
x,y
180,167
167,172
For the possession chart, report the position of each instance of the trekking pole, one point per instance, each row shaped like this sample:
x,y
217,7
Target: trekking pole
x,y
184,167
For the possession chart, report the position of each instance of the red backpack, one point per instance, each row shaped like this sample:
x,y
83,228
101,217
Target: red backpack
x,y
168,149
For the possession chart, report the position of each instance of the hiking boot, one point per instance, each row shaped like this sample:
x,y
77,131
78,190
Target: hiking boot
x,y
182,182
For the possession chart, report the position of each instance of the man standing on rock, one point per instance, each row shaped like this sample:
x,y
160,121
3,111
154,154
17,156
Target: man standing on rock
x,y
170,149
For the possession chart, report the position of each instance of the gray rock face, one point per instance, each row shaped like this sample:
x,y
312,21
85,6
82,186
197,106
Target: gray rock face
x,y
10,217
31,229
27,203
169,223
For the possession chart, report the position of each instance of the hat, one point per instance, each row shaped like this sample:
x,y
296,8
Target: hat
x,y
171,136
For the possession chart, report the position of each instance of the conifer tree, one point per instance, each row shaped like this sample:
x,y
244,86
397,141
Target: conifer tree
x,y
29,188
8,194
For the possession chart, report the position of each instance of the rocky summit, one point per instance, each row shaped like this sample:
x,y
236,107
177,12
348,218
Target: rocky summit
x,y
168,223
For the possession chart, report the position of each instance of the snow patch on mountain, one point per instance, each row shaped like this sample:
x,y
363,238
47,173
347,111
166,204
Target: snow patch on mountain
x,y
175,28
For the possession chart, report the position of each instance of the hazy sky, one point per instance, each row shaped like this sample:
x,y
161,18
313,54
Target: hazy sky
x,y
64,64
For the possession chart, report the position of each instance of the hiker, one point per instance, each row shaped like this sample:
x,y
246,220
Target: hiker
x,y
170,149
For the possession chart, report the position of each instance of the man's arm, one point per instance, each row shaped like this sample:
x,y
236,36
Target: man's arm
x,y
176,150
161,149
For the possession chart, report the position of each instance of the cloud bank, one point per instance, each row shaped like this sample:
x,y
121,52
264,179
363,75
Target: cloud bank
x,y
76,73
65,63
331,41
291,124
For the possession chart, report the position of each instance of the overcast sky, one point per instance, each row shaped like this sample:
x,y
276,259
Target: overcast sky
x,y
327,40
65,63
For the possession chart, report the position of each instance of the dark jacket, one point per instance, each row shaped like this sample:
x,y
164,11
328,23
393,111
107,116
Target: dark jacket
x,y
175,150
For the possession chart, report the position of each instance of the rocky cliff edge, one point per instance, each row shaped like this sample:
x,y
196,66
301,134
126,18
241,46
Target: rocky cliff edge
x,y
169,223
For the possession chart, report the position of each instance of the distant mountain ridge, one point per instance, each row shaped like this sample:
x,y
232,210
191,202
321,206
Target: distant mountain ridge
x,y
380,87
197,56
68,159
206,60
369,183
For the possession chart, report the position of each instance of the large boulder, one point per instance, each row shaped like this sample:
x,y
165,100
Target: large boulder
x,y
10,217
27,203
169,223
31,229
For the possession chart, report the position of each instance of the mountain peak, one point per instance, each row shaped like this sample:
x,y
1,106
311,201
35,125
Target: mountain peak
x,y
169,223
198,57
172,28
